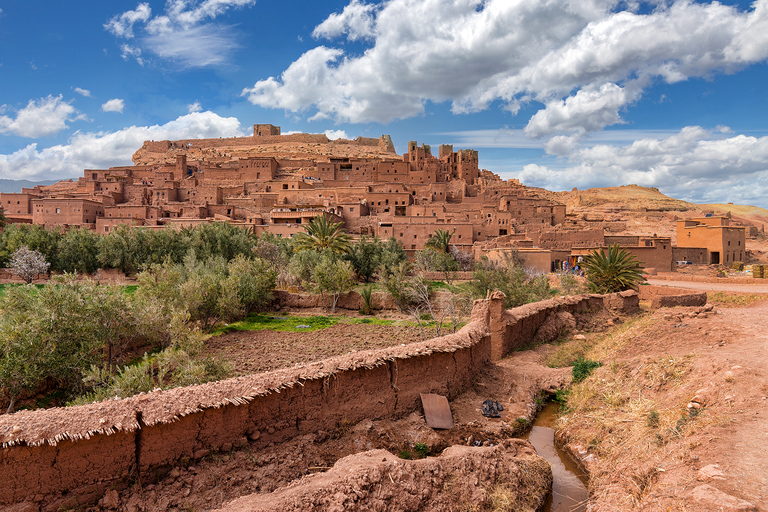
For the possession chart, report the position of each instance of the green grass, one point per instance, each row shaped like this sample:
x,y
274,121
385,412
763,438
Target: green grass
x,y
130,289
10,285
258,322
369,321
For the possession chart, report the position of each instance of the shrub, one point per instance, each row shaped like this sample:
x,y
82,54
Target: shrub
x,y
519,285
612,271
583,368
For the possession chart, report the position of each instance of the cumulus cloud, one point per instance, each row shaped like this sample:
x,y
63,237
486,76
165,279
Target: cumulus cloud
x,y
100,150
83,92
584,60
41,118
336,134
695,164
113,105
184,33
194,107
356,21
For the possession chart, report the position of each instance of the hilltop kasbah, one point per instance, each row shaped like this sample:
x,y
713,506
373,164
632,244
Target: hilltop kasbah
x,y
278,183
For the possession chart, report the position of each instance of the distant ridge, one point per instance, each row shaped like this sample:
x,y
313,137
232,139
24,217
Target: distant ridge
x,y
11,186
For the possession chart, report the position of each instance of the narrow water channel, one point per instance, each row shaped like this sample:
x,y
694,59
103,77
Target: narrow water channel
x,y
569,491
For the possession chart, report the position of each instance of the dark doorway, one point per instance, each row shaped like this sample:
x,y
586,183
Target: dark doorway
x,y
714,258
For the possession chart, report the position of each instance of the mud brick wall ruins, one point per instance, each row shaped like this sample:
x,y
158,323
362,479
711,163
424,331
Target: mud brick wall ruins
x,y
59,457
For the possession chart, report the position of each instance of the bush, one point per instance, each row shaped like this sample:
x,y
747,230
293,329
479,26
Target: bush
x,y
612,271
583,368
519,285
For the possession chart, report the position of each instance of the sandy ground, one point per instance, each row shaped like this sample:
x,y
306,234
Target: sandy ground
x,y
722,287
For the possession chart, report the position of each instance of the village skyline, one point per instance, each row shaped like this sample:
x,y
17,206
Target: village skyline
x,y
587,94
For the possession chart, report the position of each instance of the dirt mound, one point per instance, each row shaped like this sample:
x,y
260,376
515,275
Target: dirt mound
x,y
377,480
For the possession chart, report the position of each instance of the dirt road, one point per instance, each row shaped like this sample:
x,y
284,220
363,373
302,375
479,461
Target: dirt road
x,y
722,287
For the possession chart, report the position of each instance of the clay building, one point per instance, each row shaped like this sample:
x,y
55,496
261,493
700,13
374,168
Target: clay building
x,y
714,238
247,181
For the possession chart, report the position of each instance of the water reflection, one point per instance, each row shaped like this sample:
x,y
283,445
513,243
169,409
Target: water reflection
x,y
569,493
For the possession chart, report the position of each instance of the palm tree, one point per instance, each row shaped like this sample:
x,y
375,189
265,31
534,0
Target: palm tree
x,y
323,234
440,240
612,271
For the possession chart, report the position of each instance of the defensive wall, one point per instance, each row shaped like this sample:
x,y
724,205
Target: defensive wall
x,y
66,457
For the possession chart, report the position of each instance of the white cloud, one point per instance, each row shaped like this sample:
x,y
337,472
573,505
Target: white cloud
x,y
122,24
356,20
184,34
583,59
336,134
127,51
101,150
40,118
113,105
693,164
194,107
83,92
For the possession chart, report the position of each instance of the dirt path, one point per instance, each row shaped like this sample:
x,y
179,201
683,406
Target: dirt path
x,y
722,287
703,376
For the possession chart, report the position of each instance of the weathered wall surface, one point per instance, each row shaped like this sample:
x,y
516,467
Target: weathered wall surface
x,y
669,296
59,457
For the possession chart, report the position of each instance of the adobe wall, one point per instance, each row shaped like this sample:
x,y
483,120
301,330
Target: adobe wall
x,y
68,456
668,296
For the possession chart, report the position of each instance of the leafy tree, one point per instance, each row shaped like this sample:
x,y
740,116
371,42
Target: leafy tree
x,y
48,335
392,255
433,260
612,271
302,265
253,280
77,251
115,249
323,234
220,239
519,286
333,277
396,281
2,217
440,240
34,236
28,264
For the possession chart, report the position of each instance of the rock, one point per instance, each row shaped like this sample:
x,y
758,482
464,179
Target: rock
x,y
174,473
111,500
226,447
711,472
579,337
134,504
254,435
715,499
199,454
24,506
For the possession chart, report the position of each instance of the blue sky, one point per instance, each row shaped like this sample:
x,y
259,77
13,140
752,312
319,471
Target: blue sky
x,y
556,93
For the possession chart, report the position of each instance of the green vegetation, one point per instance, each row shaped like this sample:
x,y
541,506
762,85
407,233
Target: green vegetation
x,y
128,249
519,285
257,322
583,368
440,240
323,234
612,271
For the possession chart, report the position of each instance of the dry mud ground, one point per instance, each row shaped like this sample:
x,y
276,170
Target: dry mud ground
x,y
676,419
671,362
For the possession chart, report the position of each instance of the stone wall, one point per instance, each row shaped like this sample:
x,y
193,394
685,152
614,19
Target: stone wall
x,y
64,457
